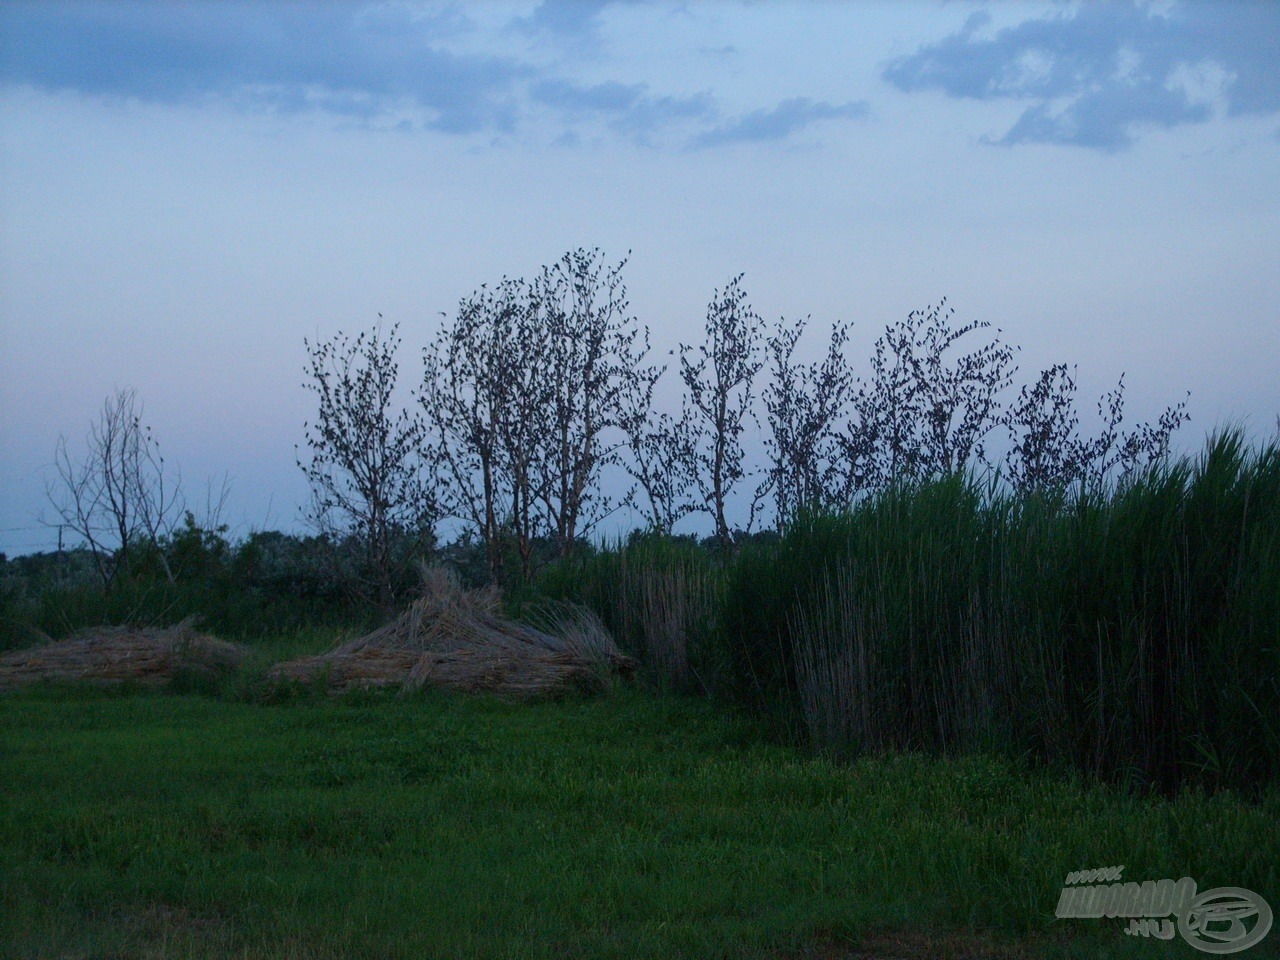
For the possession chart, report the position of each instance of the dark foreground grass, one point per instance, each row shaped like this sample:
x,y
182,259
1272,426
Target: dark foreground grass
x,y
158,825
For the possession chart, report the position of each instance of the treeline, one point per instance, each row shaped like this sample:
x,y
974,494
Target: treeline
x,y
264,585
925,555
1129,632
535,421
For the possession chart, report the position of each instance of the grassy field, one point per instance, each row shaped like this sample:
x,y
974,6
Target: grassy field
x,y
163,825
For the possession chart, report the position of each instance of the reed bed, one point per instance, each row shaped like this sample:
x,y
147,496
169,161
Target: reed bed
x,y
660,597
1132,632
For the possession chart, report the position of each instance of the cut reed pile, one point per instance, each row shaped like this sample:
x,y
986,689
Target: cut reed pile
x,y
150,657
456,639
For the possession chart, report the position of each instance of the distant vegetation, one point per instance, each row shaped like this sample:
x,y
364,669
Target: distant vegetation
x,y
930,556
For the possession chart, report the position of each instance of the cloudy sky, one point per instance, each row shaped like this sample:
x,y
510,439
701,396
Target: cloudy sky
x,y
187,190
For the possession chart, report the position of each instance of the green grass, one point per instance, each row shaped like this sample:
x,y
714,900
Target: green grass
x,y
159,825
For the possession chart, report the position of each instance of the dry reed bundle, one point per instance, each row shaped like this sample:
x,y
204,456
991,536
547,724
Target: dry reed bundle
x,y
107,655
455,638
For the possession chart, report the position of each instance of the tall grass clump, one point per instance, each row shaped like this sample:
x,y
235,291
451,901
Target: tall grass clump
x,y
869,628
659,596
1130,630
1168,669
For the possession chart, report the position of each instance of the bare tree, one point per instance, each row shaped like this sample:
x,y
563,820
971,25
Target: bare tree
x,y
1046,449
363,462
1047,452
465,396
598,377
804,404
658,462
719,377
925,413
117,497
1127,453
530,389
512,338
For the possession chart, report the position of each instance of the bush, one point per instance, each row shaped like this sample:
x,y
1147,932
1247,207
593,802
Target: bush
x,y
272,583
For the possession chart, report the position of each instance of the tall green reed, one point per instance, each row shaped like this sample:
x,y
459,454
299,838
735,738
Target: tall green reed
x,y
1131,631
659,596
883,636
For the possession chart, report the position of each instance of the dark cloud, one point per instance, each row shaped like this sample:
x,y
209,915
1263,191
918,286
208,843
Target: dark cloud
x,y
387,64
652,112
1104,120
779,123
1097,74
282,56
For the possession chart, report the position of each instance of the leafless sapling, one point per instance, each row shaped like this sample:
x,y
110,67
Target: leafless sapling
x,y
117,496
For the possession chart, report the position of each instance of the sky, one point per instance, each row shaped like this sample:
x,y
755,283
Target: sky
x,y
188,190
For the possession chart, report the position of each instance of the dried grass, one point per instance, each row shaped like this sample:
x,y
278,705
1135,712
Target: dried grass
x,y
150,657
456,639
